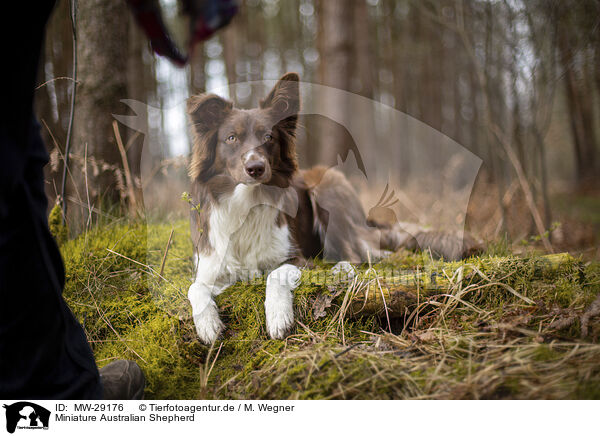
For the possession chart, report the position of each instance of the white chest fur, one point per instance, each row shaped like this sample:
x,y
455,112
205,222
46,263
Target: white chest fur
x,y
246,240
244,233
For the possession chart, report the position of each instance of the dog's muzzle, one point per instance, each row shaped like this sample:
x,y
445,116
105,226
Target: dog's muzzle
x,y
255,166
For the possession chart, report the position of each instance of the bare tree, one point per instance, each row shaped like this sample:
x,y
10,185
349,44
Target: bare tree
x,y
137,89
197,71
578,97
335,29
102,27
230,44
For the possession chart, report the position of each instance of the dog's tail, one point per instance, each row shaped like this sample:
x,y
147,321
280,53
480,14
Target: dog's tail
x,y
447,245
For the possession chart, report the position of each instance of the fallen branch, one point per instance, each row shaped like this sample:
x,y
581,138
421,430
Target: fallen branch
x,y
397,293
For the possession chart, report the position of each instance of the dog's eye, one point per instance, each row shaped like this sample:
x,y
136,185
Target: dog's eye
x,y
231,138
268,137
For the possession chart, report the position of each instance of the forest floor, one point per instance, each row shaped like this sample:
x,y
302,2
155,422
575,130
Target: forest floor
x,y
508,329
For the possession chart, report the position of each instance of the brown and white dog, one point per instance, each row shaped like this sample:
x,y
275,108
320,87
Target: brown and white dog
x,y
260,213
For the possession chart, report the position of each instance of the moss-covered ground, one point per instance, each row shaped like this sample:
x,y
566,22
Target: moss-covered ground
x,y
509,332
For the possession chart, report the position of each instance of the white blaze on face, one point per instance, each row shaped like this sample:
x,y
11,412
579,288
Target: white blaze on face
x,y
252,155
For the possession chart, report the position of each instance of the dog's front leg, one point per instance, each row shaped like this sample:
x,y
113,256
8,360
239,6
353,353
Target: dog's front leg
x,y
279,301
210,281
205,312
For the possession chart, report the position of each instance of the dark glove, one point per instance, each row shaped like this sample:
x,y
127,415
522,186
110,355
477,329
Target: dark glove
x,y
206,17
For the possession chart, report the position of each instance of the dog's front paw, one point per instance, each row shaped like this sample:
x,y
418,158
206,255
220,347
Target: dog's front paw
x,y
280,318
208,324
279,302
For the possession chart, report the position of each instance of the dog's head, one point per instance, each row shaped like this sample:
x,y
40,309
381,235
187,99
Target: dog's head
x,y
248,146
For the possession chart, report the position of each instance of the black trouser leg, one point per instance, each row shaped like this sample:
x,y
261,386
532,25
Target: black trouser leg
x,y
44,352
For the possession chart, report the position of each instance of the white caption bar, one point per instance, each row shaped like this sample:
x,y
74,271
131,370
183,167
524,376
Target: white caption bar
x,y
304,418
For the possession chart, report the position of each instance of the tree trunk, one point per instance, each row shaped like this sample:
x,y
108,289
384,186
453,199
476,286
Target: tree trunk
x,y
102,73
580,112
363,116
597,60
53,99
197,72
492,151
363,49
136,90
335,67
229,41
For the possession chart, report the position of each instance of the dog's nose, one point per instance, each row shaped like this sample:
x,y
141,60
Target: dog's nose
x,y
255,168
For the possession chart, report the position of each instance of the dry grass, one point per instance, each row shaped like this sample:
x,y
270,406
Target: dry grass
x,y
472,342
504,331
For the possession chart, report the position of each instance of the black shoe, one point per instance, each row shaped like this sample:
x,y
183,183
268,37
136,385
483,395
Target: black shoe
x,y
123,380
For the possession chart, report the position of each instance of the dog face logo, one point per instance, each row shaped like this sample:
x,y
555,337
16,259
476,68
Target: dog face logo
x,y
26,415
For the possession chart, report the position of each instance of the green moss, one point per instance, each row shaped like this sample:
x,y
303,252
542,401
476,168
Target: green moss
x,y
57,228
156,346
106,291
131,311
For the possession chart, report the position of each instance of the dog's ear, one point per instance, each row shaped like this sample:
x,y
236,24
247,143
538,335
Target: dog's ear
x,y
283,104
206,112
284,99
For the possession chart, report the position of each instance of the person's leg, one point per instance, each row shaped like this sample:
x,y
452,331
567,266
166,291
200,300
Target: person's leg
x,y
44,350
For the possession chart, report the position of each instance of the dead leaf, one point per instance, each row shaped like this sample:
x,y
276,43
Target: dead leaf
x,y
323,301
426,336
